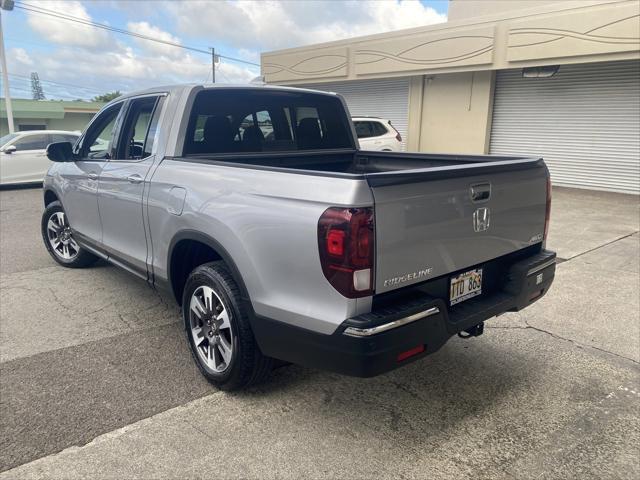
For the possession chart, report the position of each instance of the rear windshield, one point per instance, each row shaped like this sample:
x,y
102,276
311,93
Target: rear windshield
x,y
245,121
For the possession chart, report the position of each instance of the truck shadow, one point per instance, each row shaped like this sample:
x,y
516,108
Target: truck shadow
x,y
415,403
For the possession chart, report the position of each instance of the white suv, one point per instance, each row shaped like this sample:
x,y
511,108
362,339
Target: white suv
x,y
23,157
377,134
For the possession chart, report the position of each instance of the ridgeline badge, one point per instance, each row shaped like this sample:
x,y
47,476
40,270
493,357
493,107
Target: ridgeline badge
x,y
409,276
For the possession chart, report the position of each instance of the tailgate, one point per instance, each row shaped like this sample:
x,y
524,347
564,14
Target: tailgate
x,y
428,225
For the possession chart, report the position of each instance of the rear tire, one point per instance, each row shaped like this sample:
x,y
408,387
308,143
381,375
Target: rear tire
x,y
59,241
218,330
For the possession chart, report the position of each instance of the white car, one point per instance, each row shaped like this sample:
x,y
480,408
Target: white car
x,y
377,134
23,157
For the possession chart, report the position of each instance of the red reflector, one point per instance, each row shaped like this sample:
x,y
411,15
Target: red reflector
x,y
335,242
536,295
410,353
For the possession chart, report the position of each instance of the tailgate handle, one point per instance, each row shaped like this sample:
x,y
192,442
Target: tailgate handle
x,y
480,192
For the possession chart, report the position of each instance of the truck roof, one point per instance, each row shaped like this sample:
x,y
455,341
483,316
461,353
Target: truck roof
x,y
183,87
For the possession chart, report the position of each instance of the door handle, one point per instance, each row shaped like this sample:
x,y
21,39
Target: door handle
x,y
480,192
93,176
135,178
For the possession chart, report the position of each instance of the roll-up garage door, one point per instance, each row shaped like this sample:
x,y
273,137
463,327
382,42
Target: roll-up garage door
x,y
584,121
387,98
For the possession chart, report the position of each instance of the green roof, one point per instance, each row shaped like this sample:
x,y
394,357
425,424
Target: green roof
x,y
45,108
78,105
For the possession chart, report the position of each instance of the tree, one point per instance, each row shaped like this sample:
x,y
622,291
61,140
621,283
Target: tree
x,y
107,97
36,87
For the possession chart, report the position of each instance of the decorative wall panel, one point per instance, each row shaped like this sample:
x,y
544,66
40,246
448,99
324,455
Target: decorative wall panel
x,y
587,32
321,63
426,51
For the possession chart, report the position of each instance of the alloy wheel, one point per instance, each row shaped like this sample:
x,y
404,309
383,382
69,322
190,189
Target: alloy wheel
x,y
60,237
211,329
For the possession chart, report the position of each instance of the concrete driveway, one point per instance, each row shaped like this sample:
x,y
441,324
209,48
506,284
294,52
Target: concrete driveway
x,y
96,379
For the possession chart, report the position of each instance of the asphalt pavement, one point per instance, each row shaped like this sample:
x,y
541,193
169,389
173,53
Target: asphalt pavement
x,y
96,379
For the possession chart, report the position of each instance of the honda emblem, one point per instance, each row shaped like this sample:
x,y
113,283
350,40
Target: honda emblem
x,y
481,218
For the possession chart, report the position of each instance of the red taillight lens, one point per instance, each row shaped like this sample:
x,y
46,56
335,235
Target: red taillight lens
x,y
547,217
335,242
346,243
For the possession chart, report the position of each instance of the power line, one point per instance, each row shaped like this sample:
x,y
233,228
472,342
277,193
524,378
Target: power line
x,y
221,73
25,87
43,11
58,83
22,89
69,97
141,57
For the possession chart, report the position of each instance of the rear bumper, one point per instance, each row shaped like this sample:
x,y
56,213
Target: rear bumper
x,y
370,344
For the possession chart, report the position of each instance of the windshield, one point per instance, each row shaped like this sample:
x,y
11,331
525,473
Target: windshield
x,y
7,138
239,121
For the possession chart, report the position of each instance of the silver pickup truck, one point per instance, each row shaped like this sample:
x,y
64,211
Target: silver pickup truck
x,y
283,242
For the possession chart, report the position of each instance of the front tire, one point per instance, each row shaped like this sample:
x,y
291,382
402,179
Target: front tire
x,y
59,241
218,330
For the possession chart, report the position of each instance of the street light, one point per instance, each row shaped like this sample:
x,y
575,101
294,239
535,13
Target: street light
x,y
8,6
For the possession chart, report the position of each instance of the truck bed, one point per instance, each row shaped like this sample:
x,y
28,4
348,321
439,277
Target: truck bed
x,y
426,212
357,163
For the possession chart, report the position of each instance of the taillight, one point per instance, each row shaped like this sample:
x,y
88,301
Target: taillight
x,y
547,217
346,243
398,136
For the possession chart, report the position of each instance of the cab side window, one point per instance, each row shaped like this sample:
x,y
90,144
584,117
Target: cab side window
x,y
97,142
32,142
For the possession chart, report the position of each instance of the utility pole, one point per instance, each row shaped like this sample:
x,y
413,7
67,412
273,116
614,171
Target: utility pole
x,y
213,65
6,5
214,59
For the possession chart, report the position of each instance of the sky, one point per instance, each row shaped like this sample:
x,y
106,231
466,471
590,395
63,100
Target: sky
x,y
76,61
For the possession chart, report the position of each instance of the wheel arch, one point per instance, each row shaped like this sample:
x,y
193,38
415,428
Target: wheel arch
x,y
199,248
49,197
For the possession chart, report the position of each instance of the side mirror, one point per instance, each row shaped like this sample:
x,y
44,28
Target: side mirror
x,y
60,152
9,149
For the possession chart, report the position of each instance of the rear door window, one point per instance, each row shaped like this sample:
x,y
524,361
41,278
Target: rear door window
x,y
134,143
363,129
378,129
62,137
32,142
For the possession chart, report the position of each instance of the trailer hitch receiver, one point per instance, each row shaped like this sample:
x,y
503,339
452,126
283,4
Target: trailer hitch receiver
x,y
474,331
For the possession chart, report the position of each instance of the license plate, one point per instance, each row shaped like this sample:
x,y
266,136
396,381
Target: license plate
x,y
465,286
